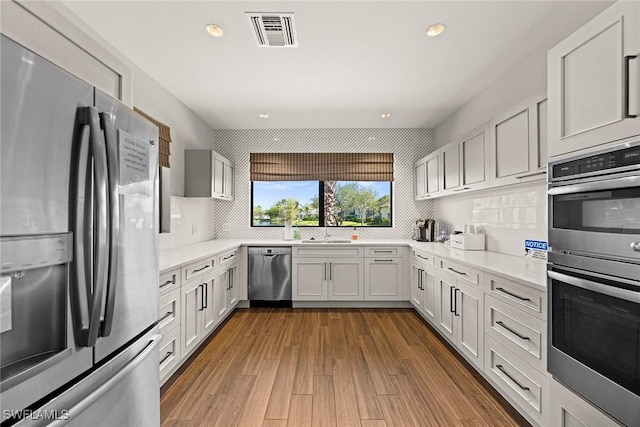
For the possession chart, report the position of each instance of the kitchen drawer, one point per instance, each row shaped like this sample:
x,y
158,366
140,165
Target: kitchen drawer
x,y
197,268
328,251
169,310
424,257
376,252
463,272
169,351
520,332
169,280
528,299
527,387
227,257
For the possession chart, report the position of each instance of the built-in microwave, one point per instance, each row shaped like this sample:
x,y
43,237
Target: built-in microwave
x,y
594,278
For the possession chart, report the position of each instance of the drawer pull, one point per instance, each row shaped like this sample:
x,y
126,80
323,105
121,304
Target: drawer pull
x,y
504,291
227,257
382,252
382,260
169,314
197,270
511,378
522,337
420,256
168,282
456,271
166,356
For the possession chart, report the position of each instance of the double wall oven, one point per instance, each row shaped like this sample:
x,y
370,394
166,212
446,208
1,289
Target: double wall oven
x,y
594,278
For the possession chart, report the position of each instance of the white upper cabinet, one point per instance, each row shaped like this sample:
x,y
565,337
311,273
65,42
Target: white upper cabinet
x,y
594,82
208,174
518,143
464,163
426,179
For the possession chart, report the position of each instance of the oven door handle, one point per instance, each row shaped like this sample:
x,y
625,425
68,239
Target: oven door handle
x,y
609,184
611,291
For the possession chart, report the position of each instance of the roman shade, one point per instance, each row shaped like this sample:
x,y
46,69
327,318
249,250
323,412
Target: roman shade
x,y
321,166
164,132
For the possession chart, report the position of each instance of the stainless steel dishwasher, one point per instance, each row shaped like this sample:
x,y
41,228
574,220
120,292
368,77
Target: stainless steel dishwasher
x,y
269,276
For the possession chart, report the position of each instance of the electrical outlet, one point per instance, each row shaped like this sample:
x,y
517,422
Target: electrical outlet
x,y
226,227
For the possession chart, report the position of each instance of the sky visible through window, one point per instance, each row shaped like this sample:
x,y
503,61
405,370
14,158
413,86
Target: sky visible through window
x,y
267,193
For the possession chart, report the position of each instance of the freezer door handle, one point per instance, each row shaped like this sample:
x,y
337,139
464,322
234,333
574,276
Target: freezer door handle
x,y
89,400
107,123
85,252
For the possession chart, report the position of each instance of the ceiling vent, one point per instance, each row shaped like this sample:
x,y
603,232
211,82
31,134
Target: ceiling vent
x,y
273,29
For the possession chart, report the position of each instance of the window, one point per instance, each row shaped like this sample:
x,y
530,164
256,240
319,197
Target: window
x,y
308,203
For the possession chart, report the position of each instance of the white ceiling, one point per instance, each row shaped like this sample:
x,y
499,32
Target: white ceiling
x,y
355,60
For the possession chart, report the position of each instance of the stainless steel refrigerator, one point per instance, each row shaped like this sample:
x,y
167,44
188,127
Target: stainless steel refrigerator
x,y
78,251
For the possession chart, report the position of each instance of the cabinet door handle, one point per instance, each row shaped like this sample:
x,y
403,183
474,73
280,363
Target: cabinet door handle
x,y
627,114
169,313
456,271
382,260
504,291
206,295
511,378
420,278
201,297
451,292
166,356
325,271
516,333
330,271
455,300
531,174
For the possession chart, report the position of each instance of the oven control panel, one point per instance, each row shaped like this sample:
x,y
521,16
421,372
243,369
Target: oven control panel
x,y
608,161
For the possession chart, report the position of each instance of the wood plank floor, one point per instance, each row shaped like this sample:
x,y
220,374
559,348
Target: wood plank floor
x,y
330,367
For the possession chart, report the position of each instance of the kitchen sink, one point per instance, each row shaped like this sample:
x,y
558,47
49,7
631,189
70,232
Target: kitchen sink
x,y
326,241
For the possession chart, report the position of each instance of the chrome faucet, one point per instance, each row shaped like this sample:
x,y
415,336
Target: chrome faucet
x,y
326,232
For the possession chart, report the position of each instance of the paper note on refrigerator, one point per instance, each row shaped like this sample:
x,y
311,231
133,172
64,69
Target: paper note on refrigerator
x,y
133,156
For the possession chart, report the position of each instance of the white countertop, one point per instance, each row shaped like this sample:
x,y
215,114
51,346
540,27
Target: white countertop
x,y
529,272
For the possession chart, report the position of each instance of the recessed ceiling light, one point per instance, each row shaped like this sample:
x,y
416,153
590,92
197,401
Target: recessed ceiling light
x,y
385,115
264,116
435,30
214,30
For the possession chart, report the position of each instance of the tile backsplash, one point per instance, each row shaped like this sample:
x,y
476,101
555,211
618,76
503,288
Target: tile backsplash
x,y
232,218
507,215
191,219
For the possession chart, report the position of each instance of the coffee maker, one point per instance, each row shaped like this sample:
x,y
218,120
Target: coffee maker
x,y
424,230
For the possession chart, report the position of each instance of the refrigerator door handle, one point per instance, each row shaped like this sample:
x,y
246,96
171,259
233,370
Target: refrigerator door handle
x,y
101,230
115,379
107,124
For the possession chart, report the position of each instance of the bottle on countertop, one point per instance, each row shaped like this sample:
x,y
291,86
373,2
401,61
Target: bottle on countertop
x,y
354,235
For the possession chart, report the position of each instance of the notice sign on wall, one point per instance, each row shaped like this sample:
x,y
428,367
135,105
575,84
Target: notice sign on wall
x,y
536,249
133,156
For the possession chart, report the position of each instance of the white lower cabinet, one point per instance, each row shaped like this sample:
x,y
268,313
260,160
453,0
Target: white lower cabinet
x,y
459,314
523,334
327,278
169,351
566,409
524,385
169,317
384,274
198,308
